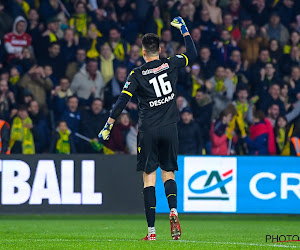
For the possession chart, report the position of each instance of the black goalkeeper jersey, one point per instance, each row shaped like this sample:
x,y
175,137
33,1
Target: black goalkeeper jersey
x,y
154,84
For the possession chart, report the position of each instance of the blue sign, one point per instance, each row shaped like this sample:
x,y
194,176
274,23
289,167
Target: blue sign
x,y
260,185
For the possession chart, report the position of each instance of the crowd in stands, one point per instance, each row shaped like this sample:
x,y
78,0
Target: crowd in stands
x,y
63,64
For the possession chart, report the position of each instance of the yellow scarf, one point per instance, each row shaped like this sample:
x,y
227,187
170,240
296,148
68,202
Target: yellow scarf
x,y
20,133
79,23
26,8
63,143
196,85
281,138
93,52
52,37
119,51
160,25
219,85
14,79
107,68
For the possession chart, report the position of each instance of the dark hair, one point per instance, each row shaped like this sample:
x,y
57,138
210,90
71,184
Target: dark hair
x,y
276,129
97,99
150,43
230,109
72,96
202,89
22,107
259,114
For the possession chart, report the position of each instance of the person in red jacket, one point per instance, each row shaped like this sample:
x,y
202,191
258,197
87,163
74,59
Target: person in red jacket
x,y
262,139
16,40
219,130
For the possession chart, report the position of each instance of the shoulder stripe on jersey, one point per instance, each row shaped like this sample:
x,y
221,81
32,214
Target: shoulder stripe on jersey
x,y
187,60
131,72
126,92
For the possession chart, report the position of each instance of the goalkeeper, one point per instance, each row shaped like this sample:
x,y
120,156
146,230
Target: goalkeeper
x,y
154,84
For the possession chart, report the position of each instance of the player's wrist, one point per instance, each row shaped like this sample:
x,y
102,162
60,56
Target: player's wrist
x,y
184,30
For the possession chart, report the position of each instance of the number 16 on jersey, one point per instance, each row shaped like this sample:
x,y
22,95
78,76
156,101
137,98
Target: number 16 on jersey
x,y
160,85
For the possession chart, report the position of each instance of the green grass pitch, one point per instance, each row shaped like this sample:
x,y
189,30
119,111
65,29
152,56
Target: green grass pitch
x,y
125,232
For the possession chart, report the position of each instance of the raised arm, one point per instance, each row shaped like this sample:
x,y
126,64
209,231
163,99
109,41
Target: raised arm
x,y
191,52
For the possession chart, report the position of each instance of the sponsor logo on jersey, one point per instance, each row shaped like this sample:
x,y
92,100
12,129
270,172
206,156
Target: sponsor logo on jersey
x,y
179,56
156,70
162,101
126,85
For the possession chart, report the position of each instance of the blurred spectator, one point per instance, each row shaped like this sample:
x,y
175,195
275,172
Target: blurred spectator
x,y
281,134
92,121
68,45
273,114
294,81
293,41
80,19
38,84
207,27
88,82
259,11
261,140
222,90
62,141
21,138
218,132
189,134
8,106
55,59
224,47
108,63
42,40
72,115
33,21
289,60
16,40
272,97
207,64
117,141
197,82
19,8
59,97
5,21
202,107
197,38
257,70
133,60
92,42
234,8
285,97
275,30
243,106
251,43
114,87
4,137
267,77
153,22
275,51
286,12
40,129
74,67
181,103
25,61
119,46
171,46
215,12
50,8
231,27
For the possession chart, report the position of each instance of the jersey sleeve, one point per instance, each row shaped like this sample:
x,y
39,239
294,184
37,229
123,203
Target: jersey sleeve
x,y
179,60
130,85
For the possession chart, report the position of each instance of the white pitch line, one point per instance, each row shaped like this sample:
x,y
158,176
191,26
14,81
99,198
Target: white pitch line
x,y
177,242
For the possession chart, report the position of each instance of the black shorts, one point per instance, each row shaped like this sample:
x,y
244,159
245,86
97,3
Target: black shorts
x,y
158,148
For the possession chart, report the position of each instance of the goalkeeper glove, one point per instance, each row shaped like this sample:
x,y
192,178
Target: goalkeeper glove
x,y
179,23
105,132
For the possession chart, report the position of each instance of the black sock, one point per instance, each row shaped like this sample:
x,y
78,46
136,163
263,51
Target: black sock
x,y
171,193
150,203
